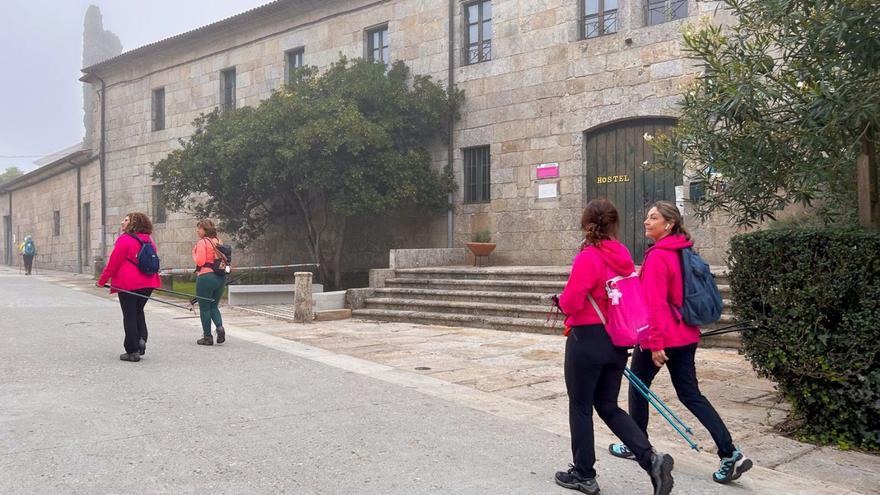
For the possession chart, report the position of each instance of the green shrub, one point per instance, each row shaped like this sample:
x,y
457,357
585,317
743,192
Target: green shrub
x,y
813,296
482,236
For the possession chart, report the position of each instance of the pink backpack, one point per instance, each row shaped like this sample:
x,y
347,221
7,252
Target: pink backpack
x,y
627,317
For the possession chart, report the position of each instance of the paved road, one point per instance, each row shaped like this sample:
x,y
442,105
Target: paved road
x,y
256,415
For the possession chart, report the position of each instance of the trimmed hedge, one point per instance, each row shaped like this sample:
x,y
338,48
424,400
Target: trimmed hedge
x,y
813,297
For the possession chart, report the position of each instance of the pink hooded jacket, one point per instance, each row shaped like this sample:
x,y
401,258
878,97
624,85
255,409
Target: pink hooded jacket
x,y
591,268
122,268
662,282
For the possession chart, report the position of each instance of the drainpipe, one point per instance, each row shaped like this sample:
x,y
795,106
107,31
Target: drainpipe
x,y
103,167
450,124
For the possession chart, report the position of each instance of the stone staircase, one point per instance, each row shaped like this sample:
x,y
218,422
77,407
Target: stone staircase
x,y
501,298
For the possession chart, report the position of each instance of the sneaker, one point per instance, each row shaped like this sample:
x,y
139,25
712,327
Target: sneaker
x,y
209,340
732,468
661,473
221,335
622,451
133,357
574,480
142,346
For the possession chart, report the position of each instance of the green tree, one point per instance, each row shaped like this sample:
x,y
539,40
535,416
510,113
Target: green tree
x,y
9,174
787,110
351,141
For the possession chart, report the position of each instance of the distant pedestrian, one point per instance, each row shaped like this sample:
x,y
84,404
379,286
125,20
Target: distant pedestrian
x,y
672,342
122,272
210,280
593,365
28,251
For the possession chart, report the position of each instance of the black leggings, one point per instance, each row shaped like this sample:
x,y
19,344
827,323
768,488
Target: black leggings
x,y
593,370
133,319
684,378
28,262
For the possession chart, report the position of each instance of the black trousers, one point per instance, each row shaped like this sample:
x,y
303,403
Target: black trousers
x,y
133,319
684,378
593,371
28,262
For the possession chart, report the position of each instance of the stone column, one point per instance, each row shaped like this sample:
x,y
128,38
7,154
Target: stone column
x,y
303,304
166,281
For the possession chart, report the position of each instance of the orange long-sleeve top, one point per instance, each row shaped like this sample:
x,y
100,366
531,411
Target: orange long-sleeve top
x,y
203,252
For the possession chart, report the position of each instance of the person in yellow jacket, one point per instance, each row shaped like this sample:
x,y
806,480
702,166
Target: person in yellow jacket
x,y
28,250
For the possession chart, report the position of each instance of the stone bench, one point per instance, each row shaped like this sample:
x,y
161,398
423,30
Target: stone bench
x,y
255,295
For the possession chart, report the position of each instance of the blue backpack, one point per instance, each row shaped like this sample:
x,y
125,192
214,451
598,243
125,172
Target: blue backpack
x,y
702,302
147,259
29,248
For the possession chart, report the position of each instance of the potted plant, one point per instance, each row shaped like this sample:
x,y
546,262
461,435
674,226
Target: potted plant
x,y
481,245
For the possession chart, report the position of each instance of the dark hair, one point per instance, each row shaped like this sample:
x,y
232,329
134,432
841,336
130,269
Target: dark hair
x,y
208,226
139,223
599,222
671,214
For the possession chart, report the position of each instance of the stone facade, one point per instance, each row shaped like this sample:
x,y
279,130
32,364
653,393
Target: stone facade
x,y
532,103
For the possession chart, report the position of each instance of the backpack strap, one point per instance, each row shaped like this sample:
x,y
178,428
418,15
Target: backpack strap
x,y
596,307
139,242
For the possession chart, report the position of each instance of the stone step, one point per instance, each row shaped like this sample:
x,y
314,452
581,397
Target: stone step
x,y
533,298
461,320
534,286
456,307
545,273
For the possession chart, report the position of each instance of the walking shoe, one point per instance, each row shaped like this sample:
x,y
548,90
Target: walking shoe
x,y
732,468
661,473
574,480
622,451
209,340
133,357
221,335
142,346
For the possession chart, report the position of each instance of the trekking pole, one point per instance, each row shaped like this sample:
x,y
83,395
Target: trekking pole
x,y
728,329
653,400
640,384
117,289
185,294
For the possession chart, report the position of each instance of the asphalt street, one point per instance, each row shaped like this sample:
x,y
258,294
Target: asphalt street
x,y
242,418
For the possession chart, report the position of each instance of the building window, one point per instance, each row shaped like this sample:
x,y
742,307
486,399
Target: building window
x,y
660,11
158,109
599,18
159,204
293,61
227,88
476,175
56,223
478,36
377,45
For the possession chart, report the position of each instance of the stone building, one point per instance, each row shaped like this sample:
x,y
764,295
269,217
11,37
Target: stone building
x,y
559,94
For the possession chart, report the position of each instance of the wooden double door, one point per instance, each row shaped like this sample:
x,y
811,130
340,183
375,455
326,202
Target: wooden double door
x,y
614,156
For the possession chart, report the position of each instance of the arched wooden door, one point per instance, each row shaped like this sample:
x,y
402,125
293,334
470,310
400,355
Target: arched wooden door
x,y
614,155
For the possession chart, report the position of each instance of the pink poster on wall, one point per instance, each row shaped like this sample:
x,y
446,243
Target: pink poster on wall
x,y
548,171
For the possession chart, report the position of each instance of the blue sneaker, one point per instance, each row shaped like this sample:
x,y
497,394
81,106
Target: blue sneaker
x,y
622,451
732,468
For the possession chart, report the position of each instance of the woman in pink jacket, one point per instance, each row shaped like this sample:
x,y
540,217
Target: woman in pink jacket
x,y
672,342
123,273
593,365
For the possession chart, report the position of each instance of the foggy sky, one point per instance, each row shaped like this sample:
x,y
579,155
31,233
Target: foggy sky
x,y
41,58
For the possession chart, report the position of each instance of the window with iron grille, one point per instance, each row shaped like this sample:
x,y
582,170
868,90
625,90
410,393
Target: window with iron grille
x,y
158,109
478,35
227,88
56,223
660,11
599,17
377,45
159,214
294,59
476,175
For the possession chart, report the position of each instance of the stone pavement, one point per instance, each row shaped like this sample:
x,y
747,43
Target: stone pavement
x,y
518,377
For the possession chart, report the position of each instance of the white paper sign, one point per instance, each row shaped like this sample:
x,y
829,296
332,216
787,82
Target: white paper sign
x,y
547,191
679,198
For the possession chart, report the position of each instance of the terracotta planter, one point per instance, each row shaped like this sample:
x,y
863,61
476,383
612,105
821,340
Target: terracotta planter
x,y
481,248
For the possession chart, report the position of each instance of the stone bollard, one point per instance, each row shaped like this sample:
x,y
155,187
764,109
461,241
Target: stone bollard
x,y
97,266
166,281
303,303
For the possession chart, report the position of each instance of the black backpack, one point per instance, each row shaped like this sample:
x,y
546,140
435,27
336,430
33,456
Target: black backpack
x,y
222,263
147,259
